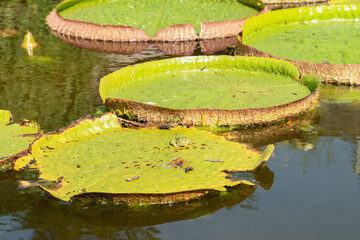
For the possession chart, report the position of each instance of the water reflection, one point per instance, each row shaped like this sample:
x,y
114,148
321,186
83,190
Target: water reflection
x,y
210,46
334,137
125,216
257,136
48,87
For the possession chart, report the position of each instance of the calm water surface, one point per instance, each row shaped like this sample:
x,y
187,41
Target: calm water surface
x,y
310,190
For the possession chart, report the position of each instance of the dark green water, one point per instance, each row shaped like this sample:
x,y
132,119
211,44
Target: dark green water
x,y
312,182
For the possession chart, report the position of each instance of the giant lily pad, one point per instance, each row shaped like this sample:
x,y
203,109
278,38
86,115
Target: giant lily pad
x,y
323,40
215,90
98,156
158,20
14,138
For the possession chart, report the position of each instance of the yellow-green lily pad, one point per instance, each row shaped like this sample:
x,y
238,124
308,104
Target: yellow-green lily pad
x,y
14,138
209,90
139,165
320,40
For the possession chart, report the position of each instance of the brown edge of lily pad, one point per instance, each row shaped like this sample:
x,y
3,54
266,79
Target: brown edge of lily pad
x,y
143,112
10,160
128,198
148,199
277,4
339,74
182,32
138,198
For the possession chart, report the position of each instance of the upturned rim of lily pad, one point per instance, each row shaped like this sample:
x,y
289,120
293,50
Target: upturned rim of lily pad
x,y
87,127
329,73
157,115
120,33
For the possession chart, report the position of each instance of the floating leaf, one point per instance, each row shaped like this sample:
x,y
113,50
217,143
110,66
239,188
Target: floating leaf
x,y
158,20
323,40
14,137
209,90
98,156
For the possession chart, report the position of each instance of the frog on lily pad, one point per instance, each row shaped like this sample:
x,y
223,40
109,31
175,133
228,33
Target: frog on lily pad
x,y
180,141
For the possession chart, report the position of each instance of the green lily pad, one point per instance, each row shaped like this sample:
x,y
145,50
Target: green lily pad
x,y
322,40
156,20
308,34
140,165
207,90
340,94
14,137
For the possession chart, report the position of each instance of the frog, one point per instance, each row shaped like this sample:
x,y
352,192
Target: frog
x,y
180,141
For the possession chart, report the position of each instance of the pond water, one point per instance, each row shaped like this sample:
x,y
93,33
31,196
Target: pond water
x,y
310,190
